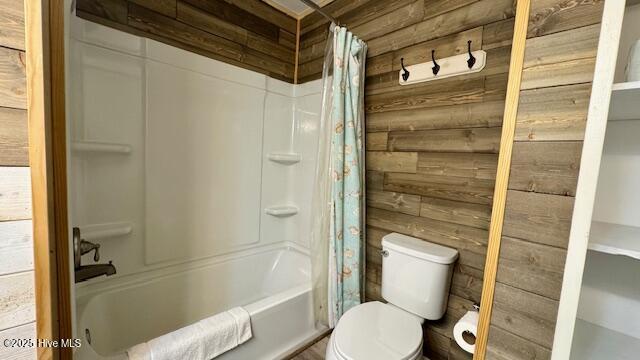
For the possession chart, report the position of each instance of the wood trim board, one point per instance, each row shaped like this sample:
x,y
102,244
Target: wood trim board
x,y
39,158
59,168
297,61
502,175
44,22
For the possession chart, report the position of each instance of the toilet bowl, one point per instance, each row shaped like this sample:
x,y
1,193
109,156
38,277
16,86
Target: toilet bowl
x,y
416,277
376,331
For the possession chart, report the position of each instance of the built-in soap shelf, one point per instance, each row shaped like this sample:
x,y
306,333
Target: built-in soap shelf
x,y
281,211
103,231
284,158
100,147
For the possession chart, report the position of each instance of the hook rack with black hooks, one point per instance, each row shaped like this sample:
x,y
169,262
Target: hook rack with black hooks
x,y
405,72
441,68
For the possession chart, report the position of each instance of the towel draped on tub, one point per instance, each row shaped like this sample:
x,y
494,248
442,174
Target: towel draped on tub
x,y
203,340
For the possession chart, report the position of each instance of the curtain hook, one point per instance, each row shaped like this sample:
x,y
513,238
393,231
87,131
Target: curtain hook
x,y
472,59
405,73
436,67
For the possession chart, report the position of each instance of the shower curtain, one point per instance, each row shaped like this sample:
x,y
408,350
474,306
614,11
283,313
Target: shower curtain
x,y
338,203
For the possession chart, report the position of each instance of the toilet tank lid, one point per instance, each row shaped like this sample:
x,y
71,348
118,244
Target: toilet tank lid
x,y
419,248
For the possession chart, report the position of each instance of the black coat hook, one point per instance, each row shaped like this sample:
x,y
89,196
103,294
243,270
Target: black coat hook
x,y
405,72
436,67
472,59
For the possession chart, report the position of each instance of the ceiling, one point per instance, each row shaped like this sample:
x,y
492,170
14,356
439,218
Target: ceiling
x,y
295,8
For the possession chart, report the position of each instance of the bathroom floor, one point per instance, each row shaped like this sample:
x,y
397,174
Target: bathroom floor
x,y
317,351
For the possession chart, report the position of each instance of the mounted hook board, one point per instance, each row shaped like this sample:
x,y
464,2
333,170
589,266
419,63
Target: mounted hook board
x,y
449,67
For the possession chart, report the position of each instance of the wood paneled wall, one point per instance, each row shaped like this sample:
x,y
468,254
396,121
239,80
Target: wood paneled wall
x,y
246,33
556,85
431,147
17,306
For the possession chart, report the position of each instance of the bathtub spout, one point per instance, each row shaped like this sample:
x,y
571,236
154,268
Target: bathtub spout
x,y
86,272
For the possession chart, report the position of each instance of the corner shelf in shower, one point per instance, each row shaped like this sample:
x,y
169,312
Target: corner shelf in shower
x,y
104,231
624,101
281,211
100,147
284,158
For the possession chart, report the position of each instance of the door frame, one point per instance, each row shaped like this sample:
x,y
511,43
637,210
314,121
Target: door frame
x,y
44,34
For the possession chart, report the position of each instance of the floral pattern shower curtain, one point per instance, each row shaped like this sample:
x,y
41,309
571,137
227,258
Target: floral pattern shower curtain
x,y
338,276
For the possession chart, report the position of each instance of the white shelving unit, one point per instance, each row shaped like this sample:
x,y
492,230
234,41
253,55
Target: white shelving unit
x,y
601,290
610,296
593,342
625,101
615,239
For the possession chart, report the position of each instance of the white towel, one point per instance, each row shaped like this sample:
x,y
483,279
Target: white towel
x,y
140,352
233,328
203,340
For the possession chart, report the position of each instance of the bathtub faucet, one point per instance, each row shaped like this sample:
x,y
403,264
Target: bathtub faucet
x,y
86,272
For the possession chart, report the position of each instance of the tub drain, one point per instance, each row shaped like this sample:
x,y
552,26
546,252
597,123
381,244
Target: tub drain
x,y
87,335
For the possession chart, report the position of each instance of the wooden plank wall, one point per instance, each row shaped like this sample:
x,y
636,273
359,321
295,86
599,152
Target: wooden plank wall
x,y
431,147
556,85
246,33
17,305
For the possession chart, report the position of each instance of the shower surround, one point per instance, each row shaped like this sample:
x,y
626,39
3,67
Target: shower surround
x,y
195,177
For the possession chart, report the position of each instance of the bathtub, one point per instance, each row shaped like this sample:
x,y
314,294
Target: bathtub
x,y
273,285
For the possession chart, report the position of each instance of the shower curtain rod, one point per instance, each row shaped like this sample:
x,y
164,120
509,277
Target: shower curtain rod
x,y
317,8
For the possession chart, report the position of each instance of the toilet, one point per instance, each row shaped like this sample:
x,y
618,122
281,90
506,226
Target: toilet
x,y
416,276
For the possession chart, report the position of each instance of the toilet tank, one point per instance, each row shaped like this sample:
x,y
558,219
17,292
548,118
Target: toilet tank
x,y
416,275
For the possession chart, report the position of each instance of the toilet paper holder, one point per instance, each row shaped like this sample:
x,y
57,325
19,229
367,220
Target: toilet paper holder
x,y
465,329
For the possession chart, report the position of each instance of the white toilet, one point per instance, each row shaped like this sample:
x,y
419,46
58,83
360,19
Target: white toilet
x,y
416,276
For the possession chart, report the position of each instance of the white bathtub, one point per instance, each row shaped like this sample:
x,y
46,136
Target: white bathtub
x,y
272,284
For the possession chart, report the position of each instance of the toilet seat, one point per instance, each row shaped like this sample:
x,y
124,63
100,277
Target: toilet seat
x,y
377,331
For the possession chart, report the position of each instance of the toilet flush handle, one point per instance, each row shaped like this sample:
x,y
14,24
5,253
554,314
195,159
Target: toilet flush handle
x,y
384,253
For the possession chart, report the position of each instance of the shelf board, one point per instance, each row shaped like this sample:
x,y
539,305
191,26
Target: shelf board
x,y
100,147
615,239
284,158
625,101
281,211
593,342
104,231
